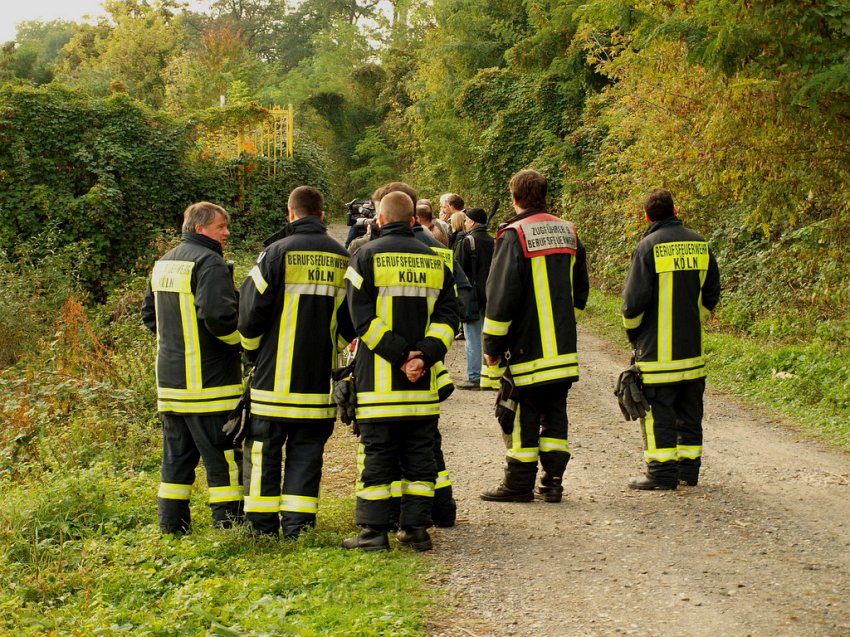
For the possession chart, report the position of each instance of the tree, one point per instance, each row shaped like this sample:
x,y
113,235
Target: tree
x,y
33,54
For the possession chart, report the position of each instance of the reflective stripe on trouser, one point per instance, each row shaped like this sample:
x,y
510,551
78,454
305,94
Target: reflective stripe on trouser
x,y
387,448
540,433
186,438
672,430
292,451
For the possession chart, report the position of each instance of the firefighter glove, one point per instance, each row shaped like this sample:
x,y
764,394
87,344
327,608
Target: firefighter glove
x,y
629,392
236,425
506,403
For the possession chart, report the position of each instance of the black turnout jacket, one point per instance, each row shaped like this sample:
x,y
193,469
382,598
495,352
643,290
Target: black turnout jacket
x,y
191,306
673,284
293,319
401,297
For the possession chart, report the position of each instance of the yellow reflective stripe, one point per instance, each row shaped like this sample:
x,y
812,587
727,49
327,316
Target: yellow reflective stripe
x,y
378,492
352,275
494,327
264,395
225,494
527,454
191,342
660,455
230,339
286,343
233,469
632,323
383,368
443,480
376,331
665,316
658,378
424,489
665,366
408,291
255,488
442,332
262,503
399,269
523,380
293,411
545,317
259,282
224,391
395,489
653,453
396,411
554,444
206,407
578,313
299,503
545,361
371,397
172,491
314,289
689,452
250,344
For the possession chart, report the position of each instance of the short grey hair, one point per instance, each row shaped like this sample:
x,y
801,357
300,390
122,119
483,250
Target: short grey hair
x,y
202,214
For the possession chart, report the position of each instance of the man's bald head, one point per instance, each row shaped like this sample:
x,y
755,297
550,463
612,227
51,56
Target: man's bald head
x,y
396,206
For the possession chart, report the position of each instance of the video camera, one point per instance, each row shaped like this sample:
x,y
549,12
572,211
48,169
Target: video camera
x,y
360,211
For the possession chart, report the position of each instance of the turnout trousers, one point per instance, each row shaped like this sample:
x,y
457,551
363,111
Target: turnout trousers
x,y
672,431
444,508
540,433
296,450
187,438
388,450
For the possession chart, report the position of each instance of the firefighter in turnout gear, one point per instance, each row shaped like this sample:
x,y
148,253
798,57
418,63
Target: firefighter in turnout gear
x,y
538,281
191,306
673,285
293,320
403,305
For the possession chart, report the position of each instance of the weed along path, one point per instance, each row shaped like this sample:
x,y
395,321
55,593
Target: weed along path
x,y
760,547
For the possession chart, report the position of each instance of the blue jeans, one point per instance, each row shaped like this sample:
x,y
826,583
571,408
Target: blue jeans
x,y
472,333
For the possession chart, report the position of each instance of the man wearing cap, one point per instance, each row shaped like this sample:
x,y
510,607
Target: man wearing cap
x,y
474,254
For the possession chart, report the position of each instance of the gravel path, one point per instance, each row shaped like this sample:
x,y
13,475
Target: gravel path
x,y
760,547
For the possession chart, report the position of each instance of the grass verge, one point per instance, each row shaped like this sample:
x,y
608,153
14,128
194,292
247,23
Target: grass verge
x,y
82,555
807,384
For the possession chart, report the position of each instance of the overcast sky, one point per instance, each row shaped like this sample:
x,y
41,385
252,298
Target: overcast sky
x,y
14,11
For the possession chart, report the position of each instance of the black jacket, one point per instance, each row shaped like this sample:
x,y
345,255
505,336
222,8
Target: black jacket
x,y
292,320
538,279
191,306
673,283
475,253
401,297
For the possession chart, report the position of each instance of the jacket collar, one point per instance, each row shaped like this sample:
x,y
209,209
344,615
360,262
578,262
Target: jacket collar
x,y
525,213
397,227
202,240
657,225
309,224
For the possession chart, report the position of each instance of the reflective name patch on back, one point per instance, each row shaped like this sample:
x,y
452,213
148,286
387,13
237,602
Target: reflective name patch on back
x,y
680,255
551,236
324,268
172,276
403,269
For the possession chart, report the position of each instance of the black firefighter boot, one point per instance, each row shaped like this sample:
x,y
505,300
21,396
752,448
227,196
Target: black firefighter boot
x,y
368,539
549,489
415,537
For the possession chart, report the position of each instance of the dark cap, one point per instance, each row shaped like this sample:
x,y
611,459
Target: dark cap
x,y
477,215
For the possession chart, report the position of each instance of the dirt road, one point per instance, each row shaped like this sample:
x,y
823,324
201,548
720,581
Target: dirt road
x,y
760,547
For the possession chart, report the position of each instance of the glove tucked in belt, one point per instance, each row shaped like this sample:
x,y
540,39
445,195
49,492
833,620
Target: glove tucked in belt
x,y
629,393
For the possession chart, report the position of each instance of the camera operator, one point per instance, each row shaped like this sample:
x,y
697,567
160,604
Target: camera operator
x,y
360,212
